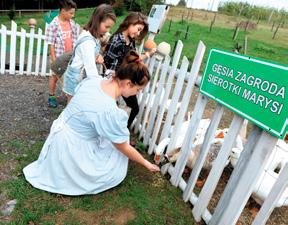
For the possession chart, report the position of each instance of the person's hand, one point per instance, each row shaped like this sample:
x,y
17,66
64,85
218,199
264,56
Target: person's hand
x,y
152,167
153,50
99,59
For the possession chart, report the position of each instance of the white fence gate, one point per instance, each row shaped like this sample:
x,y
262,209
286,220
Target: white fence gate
x,y
162,120
24,53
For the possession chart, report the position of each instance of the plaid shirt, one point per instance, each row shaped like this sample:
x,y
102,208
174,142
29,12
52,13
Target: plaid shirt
x,y
54,35
116,50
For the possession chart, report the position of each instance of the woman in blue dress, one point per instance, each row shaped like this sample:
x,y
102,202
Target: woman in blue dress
x,y
87,150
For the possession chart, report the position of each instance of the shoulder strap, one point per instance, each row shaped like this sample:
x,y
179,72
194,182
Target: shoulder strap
x,y
80,41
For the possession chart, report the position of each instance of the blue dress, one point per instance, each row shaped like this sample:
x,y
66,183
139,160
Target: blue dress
x,y
78,156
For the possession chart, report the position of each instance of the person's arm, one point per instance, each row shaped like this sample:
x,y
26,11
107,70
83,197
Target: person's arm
x,y
134,155
50,38
148,53
52,53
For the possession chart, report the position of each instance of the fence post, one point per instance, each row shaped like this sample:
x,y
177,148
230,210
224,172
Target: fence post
x,y
3,47
187,30
13,47
273,197
22,51
170,25
235,34
37,64
30,50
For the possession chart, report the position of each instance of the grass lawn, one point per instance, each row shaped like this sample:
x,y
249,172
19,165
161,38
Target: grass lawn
x,y
143,198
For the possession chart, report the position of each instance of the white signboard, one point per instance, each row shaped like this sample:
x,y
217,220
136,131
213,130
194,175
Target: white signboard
x,y
157,17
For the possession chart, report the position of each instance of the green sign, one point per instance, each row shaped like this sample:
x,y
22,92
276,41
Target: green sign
x,y
252,88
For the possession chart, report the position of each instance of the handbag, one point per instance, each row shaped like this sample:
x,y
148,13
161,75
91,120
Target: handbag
x,y
61,63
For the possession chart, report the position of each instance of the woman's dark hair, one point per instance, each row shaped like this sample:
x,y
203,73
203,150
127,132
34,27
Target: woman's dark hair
x,y
132,19
132,68
67,4
100,14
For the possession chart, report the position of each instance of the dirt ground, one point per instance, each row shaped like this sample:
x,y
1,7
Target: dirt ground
x,y
24,115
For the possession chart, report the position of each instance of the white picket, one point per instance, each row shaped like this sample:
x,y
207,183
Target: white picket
x,y
149,103
210,134
175,62
175,98
144,97
157,101
12,47
30,51
38,52
186,97
3,47
22,51
188,140
275,194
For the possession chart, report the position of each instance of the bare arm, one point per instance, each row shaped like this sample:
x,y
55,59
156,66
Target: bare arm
x,y
148,53
134,155
52,53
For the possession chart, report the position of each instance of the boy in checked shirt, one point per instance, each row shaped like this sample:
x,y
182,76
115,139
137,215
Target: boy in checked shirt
x,y
61,34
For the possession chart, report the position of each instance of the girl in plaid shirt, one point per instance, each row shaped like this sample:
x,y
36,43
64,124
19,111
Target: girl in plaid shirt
x,y
61,34
133,28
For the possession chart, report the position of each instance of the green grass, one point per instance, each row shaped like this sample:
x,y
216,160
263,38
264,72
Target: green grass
x,y
260,43
220,38
148,197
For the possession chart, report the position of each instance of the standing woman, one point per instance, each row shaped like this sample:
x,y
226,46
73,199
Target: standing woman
x,y
133,28
87,52
87,150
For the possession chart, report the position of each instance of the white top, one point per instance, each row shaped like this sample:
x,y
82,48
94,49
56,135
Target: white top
x,y
85,55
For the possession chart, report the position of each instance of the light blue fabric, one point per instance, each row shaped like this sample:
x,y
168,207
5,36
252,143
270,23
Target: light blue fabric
x,y
78,156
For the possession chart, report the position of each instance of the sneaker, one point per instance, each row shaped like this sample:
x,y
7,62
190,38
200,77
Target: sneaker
x,y
52,101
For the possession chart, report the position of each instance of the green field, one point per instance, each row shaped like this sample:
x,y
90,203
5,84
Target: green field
x,y
260,43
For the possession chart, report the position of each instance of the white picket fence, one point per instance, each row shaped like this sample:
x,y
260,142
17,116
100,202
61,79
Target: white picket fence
x,y
160,118
24,53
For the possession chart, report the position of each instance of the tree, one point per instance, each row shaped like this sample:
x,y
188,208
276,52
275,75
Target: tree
x,y
143,6
181,3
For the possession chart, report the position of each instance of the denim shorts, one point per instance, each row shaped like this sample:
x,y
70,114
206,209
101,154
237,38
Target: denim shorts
x,y
72,78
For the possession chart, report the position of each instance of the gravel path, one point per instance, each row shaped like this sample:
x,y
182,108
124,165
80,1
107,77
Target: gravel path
x,y
23,108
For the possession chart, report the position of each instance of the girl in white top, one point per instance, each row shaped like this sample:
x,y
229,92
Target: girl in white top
x,y
88,49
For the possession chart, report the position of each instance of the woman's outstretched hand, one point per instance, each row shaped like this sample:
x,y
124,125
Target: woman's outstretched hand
x,y
152,167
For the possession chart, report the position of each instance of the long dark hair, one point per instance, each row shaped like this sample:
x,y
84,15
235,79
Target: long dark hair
x,y
132,19
132,68
100,14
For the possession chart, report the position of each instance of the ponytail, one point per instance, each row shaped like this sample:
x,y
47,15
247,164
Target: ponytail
x,y
132,68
